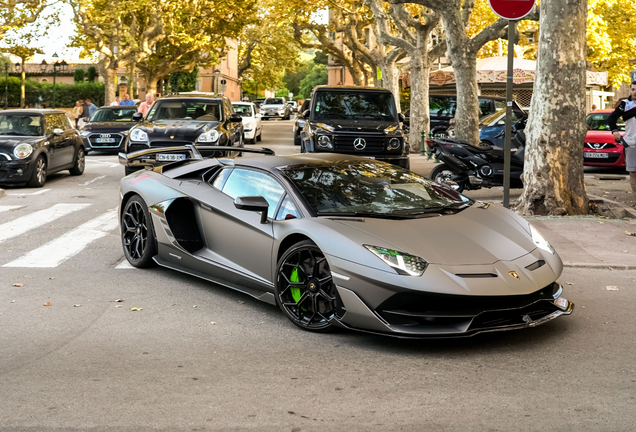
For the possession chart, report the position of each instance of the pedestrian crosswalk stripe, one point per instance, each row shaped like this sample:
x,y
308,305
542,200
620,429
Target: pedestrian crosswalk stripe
x,y
9,208
124,265
26,223
68,245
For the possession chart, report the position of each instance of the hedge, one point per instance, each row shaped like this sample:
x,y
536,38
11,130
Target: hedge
x,y
65,94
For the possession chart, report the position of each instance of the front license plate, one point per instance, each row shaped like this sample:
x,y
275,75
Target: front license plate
x,y
369,157
170,157
104,140
596,155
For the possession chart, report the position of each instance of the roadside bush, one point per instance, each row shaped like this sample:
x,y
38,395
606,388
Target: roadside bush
x,y
78,76
65,94
91,74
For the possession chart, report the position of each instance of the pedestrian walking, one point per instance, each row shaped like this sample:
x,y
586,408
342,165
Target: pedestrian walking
x,y
127,100
627,110
116,101
77,111
144,107
91,108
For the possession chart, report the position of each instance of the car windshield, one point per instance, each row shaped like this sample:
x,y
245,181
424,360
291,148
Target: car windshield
x,y
371,188
21,125
114,115
347,105
598,122
274,101
499,115
186,110
243,110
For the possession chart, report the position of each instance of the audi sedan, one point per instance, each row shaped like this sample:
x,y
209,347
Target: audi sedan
x,y
107,128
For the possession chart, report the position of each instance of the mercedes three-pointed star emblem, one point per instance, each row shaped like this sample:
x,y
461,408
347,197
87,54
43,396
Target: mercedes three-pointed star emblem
x,y
359,143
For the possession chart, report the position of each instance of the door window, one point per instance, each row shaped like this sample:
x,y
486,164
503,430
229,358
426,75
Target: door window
x,y
65,121
53,121
287,210
242,182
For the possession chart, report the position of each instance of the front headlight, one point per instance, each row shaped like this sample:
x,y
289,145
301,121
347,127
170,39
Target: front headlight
x,y
139,136
209,136
85,133
403,263
540,241
324,141
22,151
395,143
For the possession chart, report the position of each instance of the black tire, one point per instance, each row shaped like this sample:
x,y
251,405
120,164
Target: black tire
x,y
297,139
442,174
138,233
80,162
38,176
260,136
305,291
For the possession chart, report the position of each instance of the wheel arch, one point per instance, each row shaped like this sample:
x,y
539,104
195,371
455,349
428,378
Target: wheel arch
x,y
288,242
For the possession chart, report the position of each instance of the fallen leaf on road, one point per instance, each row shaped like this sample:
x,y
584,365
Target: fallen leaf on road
x,y
213,323
118,301
136,309
625,251
119,306
194,306
47,304
241,302
12,301
51,278
18,284
611,288
77,305
28,277
601,223
630,233
569,283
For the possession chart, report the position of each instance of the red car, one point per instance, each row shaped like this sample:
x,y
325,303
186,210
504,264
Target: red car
x,y
600,149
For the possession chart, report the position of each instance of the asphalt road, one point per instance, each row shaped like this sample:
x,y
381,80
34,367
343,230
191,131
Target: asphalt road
x,y
201,357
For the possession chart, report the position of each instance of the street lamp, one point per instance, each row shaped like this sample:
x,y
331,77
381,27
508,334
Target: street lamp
x,y
216,75
56,66
44,66
18,67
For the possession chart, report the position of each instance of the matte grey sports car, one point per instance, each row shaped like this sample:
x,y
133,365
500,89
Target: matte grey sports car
x,y
341,241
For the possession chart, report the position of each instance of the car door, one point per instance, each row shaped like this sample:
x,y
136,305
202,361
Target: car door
x,y
237,237
60,147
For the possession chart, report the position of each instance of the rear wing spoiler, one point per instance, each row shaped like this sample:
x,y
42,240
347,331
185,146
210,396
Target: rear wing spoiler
x,y
154,157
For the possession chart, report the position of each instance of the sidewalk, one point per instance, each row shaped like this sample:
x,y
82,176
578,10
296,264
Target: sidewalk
x,y
581,241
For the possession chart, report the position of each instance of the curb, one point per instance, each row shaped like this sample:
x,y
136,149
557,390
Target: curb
x,y
1,192
629,210
598,266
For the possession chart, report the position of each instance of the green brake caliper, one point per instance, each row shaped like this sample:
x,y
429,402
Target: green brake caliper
x,y
295,278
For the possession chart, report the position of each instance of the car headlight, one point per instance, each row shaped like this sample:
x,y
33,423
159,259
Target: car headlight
x,y
22,151
85,133
139,136
540,241
209,136
324,141
394,143
248,125
403,263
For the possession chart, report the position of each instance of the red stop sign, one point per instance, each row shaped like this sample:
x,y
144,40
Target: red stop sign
x,y
512,9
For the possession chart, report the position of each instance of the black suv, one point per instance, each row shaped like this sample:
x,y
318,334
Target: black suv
x,y
361,121
187,118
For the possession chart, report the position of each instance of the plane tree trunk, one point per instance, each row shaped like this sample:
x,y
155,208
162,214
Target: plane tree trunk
x,y
553,171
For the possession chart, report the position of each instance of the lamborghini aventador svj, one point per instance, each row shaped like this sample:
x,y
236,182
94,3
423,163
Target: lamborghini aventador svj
x,y
340,241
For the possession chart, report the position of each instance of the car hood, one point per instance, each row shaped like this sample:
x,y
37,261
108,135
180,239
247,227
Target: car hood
x,y
600,136
10,142
355,125
475,236
272,106
104,127
179,129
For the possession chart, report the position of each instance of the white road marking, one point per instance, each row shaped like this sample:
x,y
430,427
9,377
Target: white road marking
x,y
9,208
124,265
103,163
91,181
40,192
70,244
23,224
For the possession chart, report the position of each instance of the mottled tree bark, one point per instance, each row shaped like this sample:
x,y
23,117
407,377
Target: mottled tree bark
x,y
553,171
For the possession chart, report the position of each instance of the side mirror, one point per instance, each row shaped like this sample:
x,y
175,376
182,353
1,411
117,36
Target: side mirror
x,y
306,114
137,116
236,118
58,131
253,203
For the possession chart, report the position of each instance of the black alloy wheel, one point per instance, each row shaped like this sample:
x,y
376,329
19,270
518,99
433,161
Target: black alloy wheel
x,y
305,290
137,233
80,162
442,174
38,176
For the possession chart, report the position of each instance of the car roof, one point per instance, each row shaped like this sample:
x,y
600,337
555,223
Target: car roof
x,y
34,111
200,95
601,111
117,107
350,87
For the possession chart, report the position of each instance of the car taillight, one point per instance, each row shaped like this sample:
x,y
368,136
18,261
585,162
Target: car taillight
x,y
430,143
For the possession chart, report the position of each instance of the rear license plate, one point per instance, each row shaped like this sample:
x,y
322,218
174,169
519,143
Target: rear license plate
x,y
170,157
596,155
104,140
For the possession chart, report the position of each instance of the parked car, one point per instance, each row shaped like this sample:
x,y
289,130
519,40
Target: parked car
x,y
258,102
252,124
355,120
343,241
275,108
186,118
492,126
299,121
107,128
293,106
601,150
442,109
35,143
